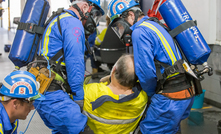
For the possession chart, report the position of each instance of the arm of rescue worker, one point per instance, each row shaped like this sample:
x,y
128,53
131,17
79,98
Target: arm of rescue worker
x,y
74,48
143,45
100,37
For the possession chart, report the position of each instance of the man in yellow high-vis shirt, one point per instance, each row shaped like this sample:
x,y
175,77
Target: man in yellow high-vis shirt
x,y
115,108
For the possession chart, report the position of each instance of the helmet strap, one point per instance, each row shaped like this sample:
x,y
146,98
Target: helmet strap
x,y
124,15
83,17
136,14
127,22
79,10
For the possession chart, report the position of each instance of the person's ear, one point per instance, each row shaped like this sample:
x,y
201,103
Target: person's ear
x,y
15,103
85,7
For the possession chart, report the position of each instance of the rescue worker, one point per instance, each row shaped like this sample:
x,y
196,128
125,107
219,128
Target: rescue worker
x,y
151,42
59,112
115,108
100,37
17,93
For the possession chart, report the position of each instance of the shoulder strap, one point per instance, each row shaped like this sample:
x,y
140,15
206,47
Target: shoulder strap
x,y
60,52
155,19
54,14
57,55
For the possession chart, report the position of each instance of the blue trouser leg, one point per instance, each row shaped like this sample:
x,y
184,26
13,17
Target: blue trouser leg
x,y
164,115
61,114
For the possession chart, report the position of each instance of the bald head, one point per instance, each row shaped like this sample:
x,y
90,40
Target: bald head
x,y
124,71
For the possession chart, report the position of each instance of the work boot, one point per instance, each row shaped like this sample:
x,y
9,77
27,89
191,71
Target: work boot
x,y
94,71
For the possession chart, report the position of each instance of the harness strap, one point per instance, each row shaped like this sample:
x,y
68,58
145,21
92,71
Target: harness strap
x,y
79,10
181,28
31,28
57,55
169,71
180,95
155,19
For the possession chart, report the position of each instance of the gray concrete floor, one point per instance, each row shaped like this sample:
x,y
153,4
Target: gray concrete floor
x,y
200,121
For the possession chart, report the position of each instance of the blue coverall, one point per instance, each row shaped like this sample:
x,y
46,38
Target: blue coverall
x,y
151,41
58,111
6,127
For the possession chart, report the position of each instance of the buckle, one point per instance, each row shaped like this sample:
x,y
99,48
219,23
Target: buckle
x,y
30,27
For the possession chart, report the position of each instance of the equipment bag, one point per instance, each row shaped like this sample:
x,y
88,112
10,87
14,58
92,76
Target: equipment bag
x,y
43,77
185,31
30,28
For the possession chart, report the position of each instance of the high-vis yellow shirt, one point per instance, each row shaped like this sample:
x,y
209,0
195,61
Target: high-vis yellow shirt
x,y
112,114
100,37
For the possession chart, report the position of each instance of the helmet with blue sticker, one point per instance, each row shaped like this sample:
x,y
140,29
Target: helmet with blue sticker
x,y
117,7
21,84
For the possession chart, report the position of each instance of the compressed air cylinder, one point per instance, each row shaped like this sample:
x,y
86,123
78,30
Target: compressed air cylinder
x,y
190,40
26,43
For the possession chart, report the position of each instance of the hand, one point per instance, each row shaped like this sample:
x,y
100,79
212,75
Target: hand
x,y
80,103
105,79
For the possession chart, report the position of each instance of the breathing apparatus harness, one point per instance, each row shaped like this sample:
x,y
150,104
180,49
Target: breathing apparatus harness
x,y
182,66
188,74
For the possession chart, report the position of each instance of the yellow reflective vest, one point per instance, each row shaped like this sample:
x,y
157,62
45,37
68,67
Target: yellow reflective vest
x,y
108,117
100,37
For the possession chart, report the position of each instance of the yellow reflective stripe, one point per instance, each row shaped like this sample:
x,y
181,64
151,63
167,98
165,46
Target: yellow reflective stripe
x,y
62,63
172,75
114,122
108,121
163,40
1,129
46,39
98,40
16,125
3,98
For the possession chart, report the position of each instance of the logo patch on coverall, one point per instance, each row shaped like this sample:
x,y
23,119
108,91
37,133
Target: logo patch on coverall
x,y
76,32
